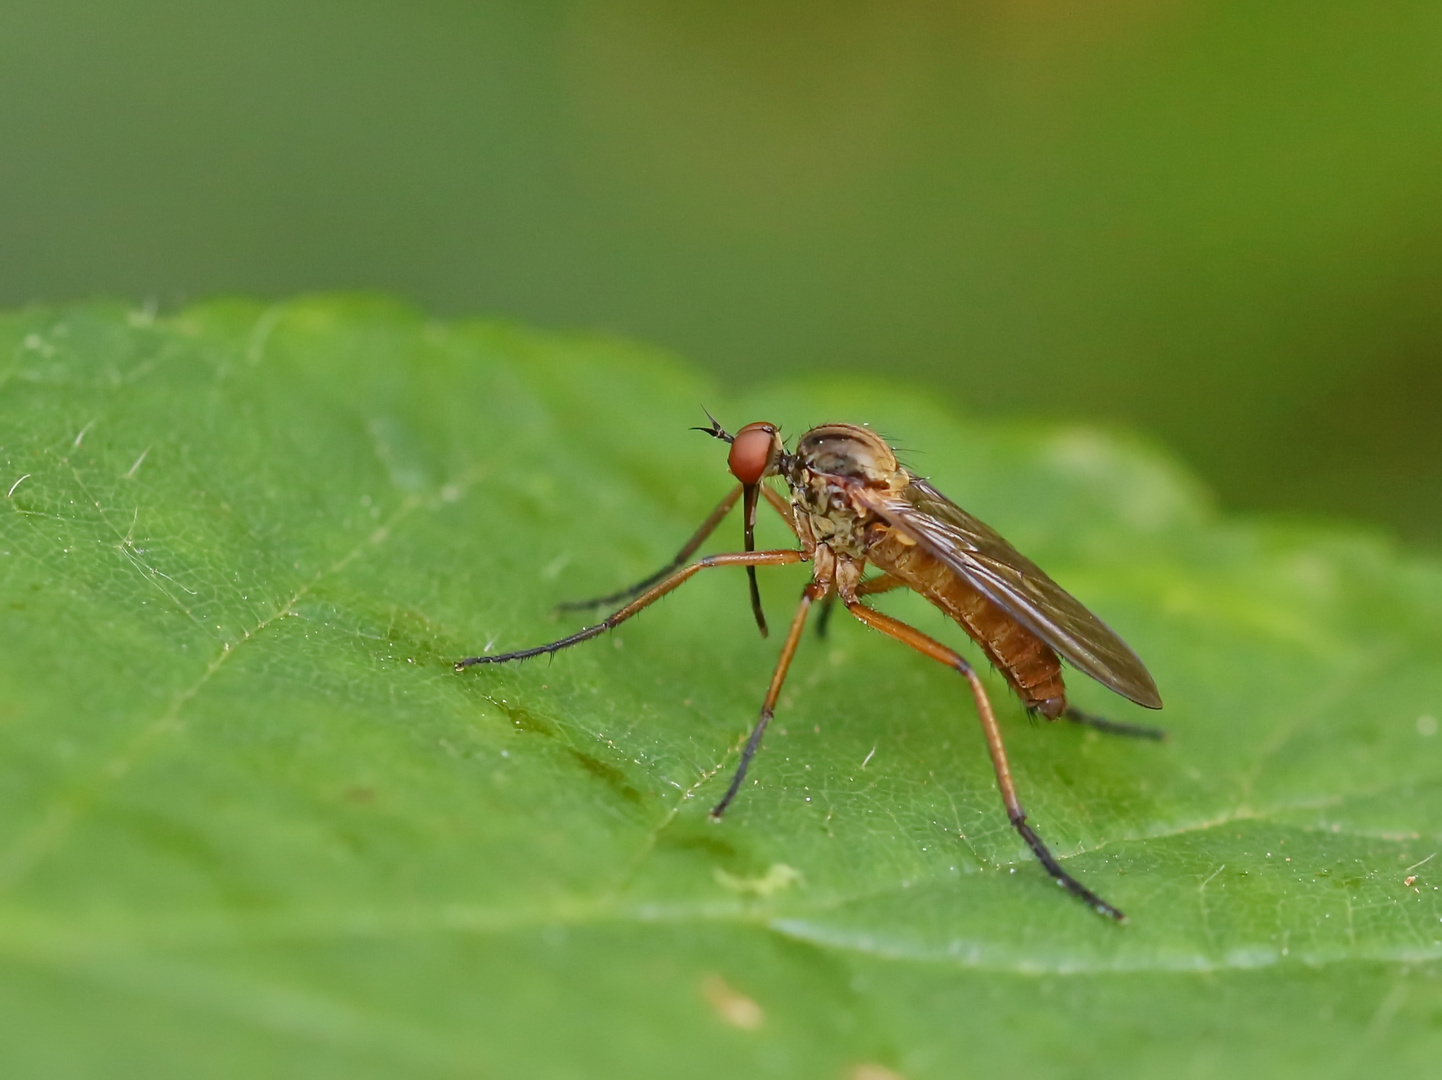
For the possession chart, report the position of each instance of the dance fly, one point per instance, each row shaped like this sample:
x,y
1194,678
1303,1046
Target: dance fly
x,y
852,506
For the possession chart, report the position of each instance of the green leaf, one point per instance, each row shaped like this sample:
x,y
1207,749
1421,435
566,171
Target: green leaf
x,y
253,824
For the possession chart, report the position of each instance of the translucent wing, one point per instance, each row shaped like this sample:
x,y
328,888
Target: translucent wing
x,y
1009,579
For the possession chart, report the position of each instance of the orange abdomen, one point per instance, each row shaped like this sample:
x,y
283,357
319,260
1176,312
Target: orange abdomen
x,y
1030,666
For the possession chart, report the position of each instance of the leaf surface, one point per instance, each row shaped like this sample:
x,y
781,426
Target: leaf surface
x,y
252,823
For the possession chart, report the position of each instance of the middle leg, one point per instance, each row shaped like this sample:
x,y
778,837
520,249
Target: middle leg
x,y
809,595
697,539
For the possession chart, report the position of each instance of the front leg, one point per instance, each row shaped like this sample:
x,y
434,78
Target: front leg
x,y
645,600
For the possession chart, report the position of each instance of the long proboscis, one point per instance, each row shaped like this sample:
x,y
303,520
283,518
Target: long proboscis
x,y
750,497
750,494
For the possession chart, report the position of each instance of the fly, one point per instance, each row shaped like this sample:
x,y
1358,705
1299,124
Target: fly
x,y
851,506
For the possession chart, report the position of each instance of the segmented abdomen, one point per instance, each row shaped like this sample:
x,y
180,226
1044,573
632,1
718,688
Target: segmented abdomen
x,y
1031,667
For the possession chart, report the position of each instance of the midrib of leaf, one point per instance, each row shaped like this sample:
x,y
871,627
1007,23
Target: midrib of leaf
x,y
67,940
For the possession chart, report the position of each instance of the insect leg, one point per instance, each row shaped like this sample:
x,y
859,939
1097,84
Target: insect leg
x,y
650,596
823,617
698,538
909,635
782,507
879,584
812,591
1114,727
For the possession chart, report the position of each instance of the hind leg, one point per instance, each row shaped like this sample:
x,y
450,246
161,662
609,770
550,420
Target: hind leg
x,y
1114,727
1054,708
909,635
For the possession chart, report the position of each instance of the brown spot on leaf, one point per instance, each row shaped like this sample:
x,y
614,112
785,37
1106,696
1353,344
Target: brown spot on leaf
x,y
869,1070
732,1006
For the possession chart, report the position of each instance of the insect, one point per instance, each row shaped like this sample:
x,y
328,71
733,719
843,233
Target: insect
x,y
852,505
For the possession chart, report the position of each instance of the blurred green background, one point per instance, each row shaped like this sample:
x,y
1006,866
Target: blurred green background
x,y
1219,223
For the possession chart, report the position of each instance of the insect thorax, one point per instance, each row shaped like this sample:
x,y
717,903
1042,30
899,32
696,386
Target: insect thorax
x,y
831,462
824,509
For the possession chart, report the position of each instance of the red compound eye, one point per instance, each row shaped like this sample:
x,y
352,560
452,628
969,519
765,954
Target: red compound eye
x,y
751,452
